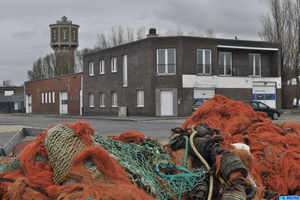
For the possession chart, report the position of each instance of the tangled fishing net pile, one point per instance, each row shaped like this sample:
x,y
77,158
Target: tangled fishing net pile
x,y
199,162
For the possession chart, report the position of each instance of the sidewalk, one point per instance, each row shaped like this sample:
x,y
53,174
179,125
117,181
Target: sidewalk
x,y
126,118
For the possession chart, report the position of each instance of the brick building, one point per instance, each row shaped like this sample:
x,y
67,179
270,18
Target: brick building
x,y
162,76
57,95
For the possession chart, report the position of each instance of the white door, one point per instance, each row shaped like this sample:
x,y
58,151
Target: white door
x,y
28,103
166,103
63,102
81,102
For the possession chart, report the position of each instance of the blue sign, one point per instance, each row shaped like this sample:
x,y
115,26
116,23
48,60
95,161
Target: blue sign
x,y
64,102
289,197
263,96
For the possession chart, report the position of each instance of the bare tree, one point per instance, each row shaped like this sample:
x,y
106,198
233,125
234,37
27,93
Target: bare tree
x,y
283,26
113,36
79,58
194,33
102,42
130,34
209,33
121,35
140,34
7,83
37,72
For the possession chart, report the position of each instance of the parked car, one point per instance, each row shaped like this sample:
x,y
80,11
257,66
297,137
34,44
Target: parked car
x,y
198,103
259,106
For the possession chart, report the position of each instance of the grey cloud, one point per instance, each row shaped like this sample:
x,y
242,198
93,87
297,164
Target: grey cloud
x,y
25,34
228,17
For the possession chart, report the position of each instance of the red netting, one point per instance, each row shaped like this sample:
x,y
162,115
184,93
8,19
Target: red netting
x,y
275,150
34,178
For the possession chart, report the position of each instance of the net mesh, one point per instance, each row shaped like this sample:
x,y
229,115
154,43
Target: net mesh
x,y
149,166
9,164
62,146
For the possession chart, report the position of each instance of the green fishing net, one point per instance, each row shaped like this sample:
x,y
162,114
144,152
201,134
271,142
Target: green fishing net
x,y
150,167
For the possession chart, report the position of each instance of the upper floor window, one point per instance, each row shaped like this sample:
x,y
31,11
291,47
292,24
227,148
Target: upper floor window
x,y
64,34
125,79
91,100
140,98
254,65
54,35
91,68
42,97
102,67
113,64
102,99
114,99
166,61
203,61
9,93
74,35
225,63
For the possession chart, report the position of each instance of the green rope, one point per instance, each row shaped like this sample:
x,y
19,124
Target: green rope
x,y
170,143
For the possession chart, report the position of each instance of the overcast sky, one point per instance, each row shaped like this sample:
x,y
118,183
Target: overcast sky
x,y
25,32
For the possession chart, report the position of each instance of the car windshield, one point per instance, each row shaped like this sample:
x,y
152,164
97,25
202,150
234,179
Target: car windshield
x,y
261,105
198,103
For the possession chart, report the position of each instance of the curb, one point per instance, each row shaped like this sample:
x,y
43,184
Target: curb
x,y
122,119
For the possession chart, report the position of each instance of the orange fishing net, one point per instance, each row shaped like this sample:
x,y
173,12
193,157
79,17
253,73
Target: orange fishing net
x,y
34,178
275,150
95,174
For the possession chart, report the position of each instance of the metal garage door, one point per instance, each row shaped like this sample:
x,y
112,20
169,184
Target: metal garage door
x,y
265,92
203,93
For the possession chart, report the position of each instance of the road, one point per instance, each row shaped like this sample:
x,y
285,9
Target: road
x,y
155,127
102,126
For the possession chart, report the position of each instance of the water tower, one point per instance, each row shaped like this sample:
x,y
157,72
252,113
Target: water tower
x,y
64,41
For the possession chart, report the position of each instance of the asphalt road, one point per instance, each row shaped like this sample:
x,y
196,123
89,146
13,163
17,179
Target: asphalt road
x,y
155,127
102,126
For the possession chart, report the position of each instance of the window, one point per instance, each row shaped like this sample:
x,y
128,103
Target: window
x,y
203,61
91,100
54,35
102,99
74,35
113,64
42,97
91,68
102,67
46,98
9,93
166,61
64,34
225,63
49,97
140,98
125,71
53,97
114,99
254,65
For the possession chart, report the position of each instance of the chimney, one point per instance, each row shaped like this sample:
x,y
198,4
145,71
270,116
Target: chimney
x,y
152,33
